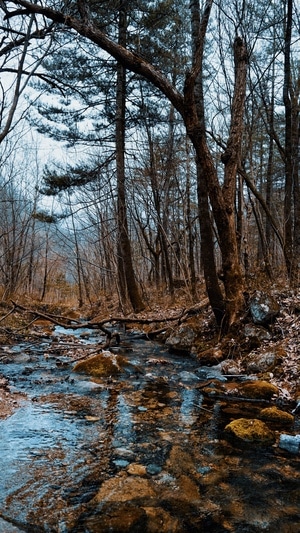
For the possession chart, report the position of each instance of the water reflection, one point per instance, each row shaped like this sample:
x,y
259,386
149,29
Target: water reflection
x,y
123,426
188,414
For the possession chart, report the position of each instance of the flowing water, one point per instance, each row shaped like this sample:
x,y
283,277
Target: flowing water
x,y
142,452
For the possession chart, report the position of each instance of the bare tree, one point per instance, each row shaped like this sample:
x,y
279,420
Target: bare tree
x,y
222,196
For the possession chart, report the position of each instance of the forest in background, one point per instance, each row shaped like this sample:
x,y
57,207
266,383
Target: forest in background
x,y
179,123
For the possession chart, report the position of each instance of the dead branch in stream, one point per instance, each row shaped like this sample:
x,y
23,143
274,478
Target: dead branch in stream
x,y
71,323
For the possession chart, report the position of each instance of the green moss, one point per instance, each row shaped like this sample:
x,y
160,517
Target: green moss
x,y
275,415
258,389
250,430
103,364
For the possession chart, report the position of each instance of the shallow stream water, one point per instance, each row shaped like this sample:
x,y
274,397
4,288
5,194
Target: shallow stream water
x,y
142,452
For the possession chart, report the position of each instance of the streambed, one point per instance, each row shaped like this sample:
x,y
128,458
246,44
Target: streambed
x,y
141,452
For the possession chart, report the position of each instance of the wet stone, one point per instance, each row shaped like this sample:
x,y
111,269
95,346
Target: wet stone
x,y
250,431
117,517
153,469
104,364
290,443
136,469
258,390
121,463
276,416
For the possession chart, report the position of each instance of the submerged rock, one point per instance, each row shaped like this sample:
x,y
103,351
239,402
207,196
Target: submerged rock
x,y
250,430
160,520
117,517
125,489
263,308
188,376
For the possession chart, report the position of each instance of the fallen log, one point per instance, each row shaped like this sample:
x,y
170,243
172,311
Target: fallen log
x,y
71,323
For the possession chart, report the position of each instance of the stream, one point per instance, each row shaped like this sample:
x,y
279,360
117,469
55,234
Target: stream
x,y
142,452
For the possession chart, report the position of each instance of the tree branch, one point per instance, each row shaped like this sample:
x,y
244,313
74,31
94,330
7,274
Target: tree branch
x,y
128,59
71,323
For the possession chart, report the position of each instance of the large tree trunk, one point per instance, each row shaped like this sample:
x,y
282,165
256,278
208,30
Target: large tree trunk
x,y
291,198
222,199
126,275
213,288
223,212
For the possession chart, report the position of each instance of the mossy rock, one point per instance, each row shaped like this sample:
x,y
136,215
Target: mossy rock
x,y
104,364
261,390
250,431
276,416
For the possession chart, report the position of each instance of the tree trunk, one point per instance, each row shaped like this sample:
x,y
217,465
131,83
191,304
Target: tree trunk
x,y
222,199
288,225
213,289
126,273
291,199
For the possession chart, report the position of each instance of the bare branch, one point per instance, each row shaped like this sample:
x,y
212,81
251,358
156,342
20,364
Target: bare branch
x,y
129,59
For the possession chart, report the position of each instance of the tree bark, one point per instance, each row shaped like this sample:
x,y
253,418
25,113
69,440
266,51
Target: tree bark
x,y
222,199
213,288
291,199
126,275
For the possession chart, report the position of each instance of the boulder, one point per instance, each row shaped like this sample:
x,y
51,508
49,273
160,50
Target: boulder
x,y
104,364
182,340
276,416
263,308
250,431
261,390
261,362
